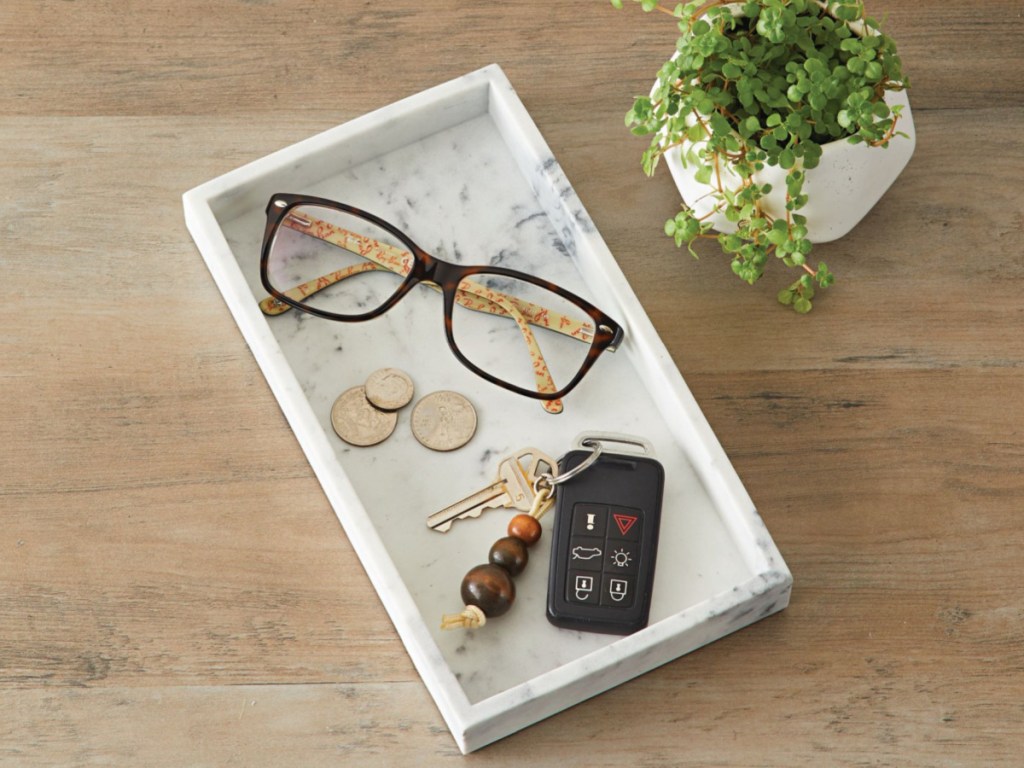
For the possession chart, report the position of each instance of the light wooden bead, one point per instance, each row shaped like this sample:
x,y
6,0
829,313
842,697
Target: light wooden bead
x,y
525,527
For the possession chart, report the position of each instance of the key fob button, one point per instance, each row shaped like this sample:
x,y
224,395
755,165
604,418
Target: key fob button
x,y
622,557
618,591
624,523
586,553
583,588
589,520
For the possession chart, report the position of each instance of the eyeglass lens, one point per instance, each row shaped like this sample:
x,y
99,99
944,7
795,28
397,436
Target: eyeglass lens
x,y
515,330
337,262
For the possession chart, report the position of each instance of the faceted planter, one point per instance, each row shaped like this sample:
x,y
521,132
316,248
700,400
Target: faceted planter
x,y
841,190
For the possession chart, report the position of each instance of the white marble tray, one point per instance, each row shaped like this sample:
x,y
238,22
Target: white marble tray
x,y
463,169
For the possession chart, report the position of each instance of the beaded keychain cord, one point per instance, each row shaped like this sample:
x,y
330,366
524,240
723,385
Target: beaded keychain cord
x,y
487,589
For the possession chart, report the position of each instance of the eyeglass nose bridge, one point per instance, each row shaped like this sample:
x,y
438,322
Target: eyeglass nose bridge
x,y
430,269
438,273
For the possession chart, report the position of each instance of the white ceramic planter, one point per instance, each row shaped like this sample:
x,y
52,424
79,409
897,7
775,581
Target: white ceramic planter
x,y
841,190
846,184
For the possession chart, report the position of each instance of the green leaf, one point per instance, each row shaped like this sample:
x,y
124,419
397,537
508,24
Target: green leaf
x,y
775,237
719,125
787,159
703,174
731,243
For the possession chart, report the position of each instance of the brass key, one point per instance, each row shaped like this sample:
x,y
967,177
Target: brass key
x,y
513,489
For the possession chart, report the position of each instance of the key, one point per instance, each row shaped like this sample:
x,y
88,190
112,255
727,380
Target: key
x,y
513,489
604,543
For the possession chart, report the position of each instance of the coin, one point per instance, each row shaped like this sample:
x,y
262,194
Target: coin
x,y
389,389
357,422
443,421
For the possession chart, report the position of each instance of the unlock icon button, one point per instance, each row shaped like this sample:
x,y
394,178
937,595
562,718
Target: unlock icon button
x,y
583,588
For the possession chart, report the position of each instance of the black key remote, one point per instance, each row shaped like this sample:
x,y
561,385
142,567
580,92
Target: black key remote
x,y
605,543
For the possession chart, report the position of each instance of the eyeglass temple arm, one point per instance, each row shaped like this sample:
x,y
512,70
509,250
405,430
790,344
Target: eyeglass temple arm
x,y
273,306
394,259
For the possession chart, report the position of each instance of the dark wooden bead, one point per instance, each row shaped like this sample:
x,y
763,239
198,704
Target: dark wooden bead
x,y
489,587
510,553
526,528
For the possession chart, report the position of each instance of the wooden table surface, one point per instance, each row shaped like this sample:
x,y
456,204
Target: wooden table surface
x,y
175,589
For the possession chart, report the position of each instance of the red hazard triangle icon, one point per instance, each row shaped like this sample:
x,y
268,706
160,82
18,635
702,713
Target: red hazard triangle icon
x,y
625,522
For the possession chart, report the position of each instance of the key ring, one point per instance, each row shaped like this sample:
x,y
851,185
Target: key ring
x,y
593,441
548,481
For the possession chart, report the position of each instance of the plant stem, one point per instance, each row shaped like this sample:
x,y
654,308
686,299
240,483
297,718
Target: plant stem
x,y
888,134
707,7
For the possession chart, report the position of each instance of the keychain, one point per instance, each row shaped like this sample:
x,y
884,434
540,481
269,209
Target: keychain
x,y
488,590
600,580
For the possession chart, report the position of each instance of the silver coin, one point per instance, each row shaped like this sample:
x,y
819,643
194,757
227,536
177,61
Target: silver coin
x,y
357,422
389,389
444,421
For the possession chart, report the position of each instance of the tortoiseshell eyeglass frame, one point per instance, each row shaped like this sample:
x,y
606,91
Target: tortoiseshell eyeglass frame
x,y
425,268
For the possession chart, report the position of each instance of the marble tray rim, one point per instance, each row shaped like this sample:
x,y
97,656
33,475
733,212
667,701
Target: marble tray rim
x,y
475,724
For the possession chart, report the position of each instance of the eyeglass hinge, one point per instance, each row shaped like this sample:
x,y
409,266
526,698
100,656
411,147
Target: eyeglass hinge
x,y
616,341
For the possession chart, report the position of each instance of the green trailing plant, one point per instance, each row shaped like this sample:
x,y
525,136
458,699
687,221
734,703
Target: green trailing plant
x,y
765,83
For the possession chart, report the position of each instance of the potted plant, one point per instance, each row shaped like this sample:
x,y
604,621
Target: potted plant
x,y
773,116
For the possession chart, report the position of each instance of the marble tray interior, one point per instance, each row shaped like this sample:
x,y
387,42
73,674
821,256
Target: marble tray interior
x,y
453,181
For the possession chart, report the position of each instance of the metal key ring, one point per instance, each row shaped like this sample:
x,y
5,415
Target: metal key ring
x,y
550,481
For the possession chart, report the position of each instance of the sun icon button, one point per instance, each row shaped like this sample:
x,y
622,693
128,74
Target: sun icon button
x,y
621,558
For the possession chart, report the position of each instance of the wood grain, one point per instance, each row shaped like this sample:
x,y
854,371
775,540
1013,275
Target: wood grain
x,y
174,588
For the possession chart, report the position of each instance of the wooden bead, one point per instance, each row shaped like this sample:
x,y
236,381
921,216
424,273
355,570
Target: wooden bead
x,y
510,553
525,527
489,587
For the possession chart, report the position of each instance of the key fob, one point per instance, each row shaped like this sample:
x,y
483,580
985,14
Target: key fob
x,y
605,543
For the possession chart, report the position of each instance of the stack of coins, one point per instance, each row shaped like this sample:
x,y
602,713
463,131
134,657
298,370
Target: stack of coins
x,y
367,415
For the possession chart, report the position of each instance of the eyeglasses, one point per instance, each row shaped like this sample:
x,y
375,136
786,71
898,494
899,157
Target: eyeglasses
x,y
518,331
